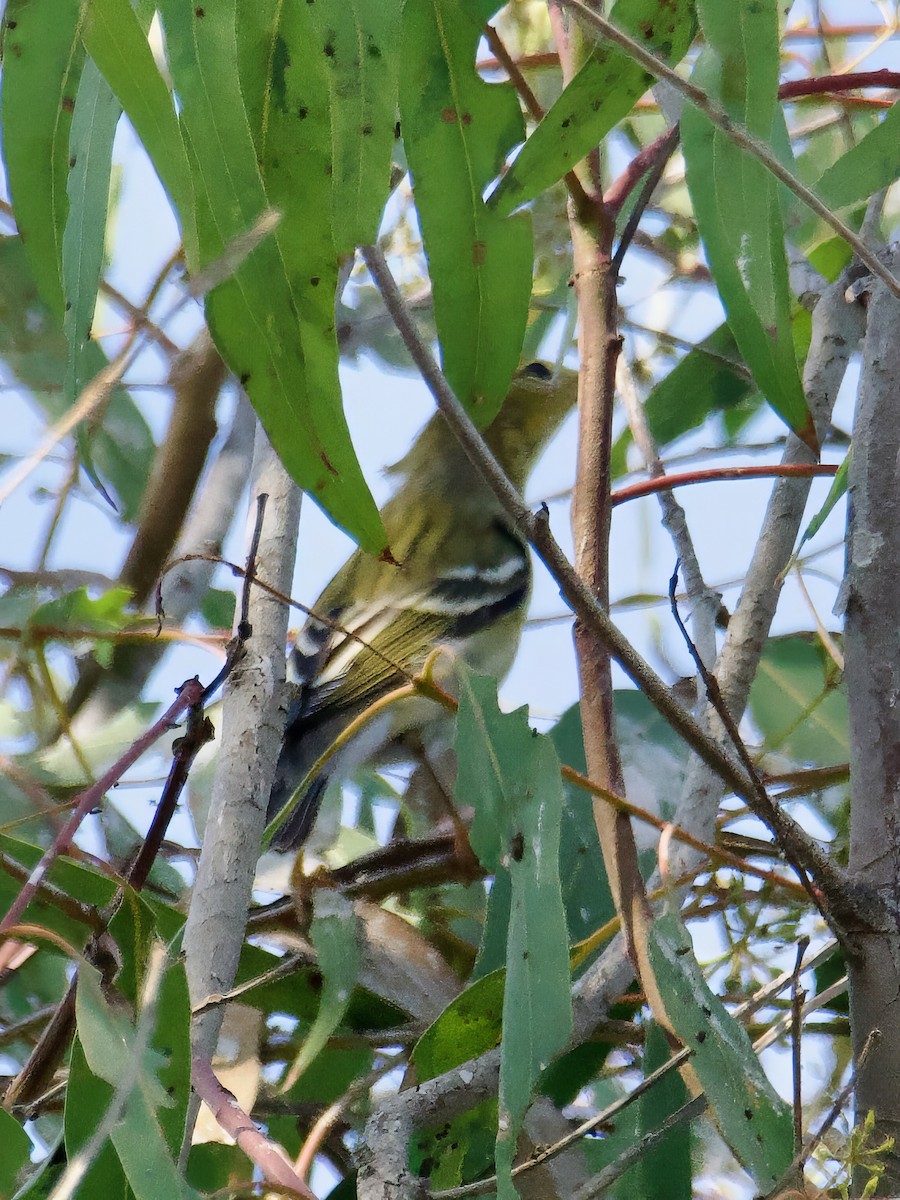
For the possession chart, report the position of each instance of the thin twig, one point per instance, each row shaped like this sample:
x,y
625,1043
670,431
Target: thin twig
x,y
764,805
617,1168
269,1157
665,483
798,996
662,151
586,1127
843,1096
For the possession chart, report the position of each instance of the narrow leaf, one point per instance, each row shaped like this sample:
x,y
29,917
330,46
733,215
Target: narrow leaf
x,y
602,93
274,319
42,62
109,1041
360,48
512,774
93,129
736,200
118,45
87,1101
15,1153
457,132
334,935
664,1173
470,1025
835,492
866,168
33,347
751,1117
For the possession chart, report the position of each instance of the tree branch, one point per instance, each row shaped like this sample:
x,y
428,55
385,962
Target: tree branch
x,y
252,727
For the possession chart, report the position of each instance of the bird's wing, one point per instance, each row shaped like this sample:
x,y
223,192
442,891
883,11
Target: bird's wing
x,y
370,648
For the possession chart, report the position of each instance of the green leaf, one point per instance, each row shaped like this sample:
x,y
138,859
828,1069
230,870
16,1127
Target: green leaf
x,y
88,1098
751,1117
835,492
93,129
83,885
585,889
663,1173
360,47
866,168
273,319
602,93
512,774
334,934
109,1042
799,703
33,347
736,200
42,62
15,1153
457,132
135,928
710,378
217,608
94,124
470,1025
77,610
118,45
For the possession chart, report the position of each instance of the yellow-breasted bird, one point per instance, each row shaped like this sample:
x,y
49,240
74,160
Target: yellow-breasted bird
x,y
463,581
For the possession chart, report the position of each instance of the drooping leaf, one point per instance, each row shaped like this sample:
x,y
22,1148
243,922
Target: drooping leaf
x,y
42,62
94,124
751,1117
334,934
135,929
837,490
117,43
512,774
736,199
602,93
273,319
457,131
360,47
93,129
88,1098
663,1173
109,1041
585,891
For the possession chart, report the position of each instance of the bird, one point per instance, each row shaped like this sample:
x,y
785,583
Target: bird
x,y
458,576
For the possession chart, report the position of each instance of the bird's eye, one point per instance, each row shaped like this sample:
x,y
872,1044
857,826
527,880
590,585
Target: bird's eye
x,y
537,370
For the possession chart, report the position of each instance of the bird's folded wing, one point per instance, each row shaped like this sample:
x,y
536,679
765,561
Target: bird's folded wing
x,y
370,648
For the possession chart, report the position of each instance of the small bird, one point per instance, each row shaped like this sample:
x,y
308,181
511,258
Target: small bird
x,y
463,581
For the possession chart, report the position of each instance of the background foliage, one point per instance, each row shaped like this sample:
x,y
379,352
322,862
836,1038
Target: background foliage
x,y
287,137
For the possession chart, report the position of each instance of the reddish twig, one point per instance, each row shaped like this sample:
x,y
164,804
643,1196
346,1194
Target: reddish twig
x,y
649,487
645,160
838,83
270,1159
